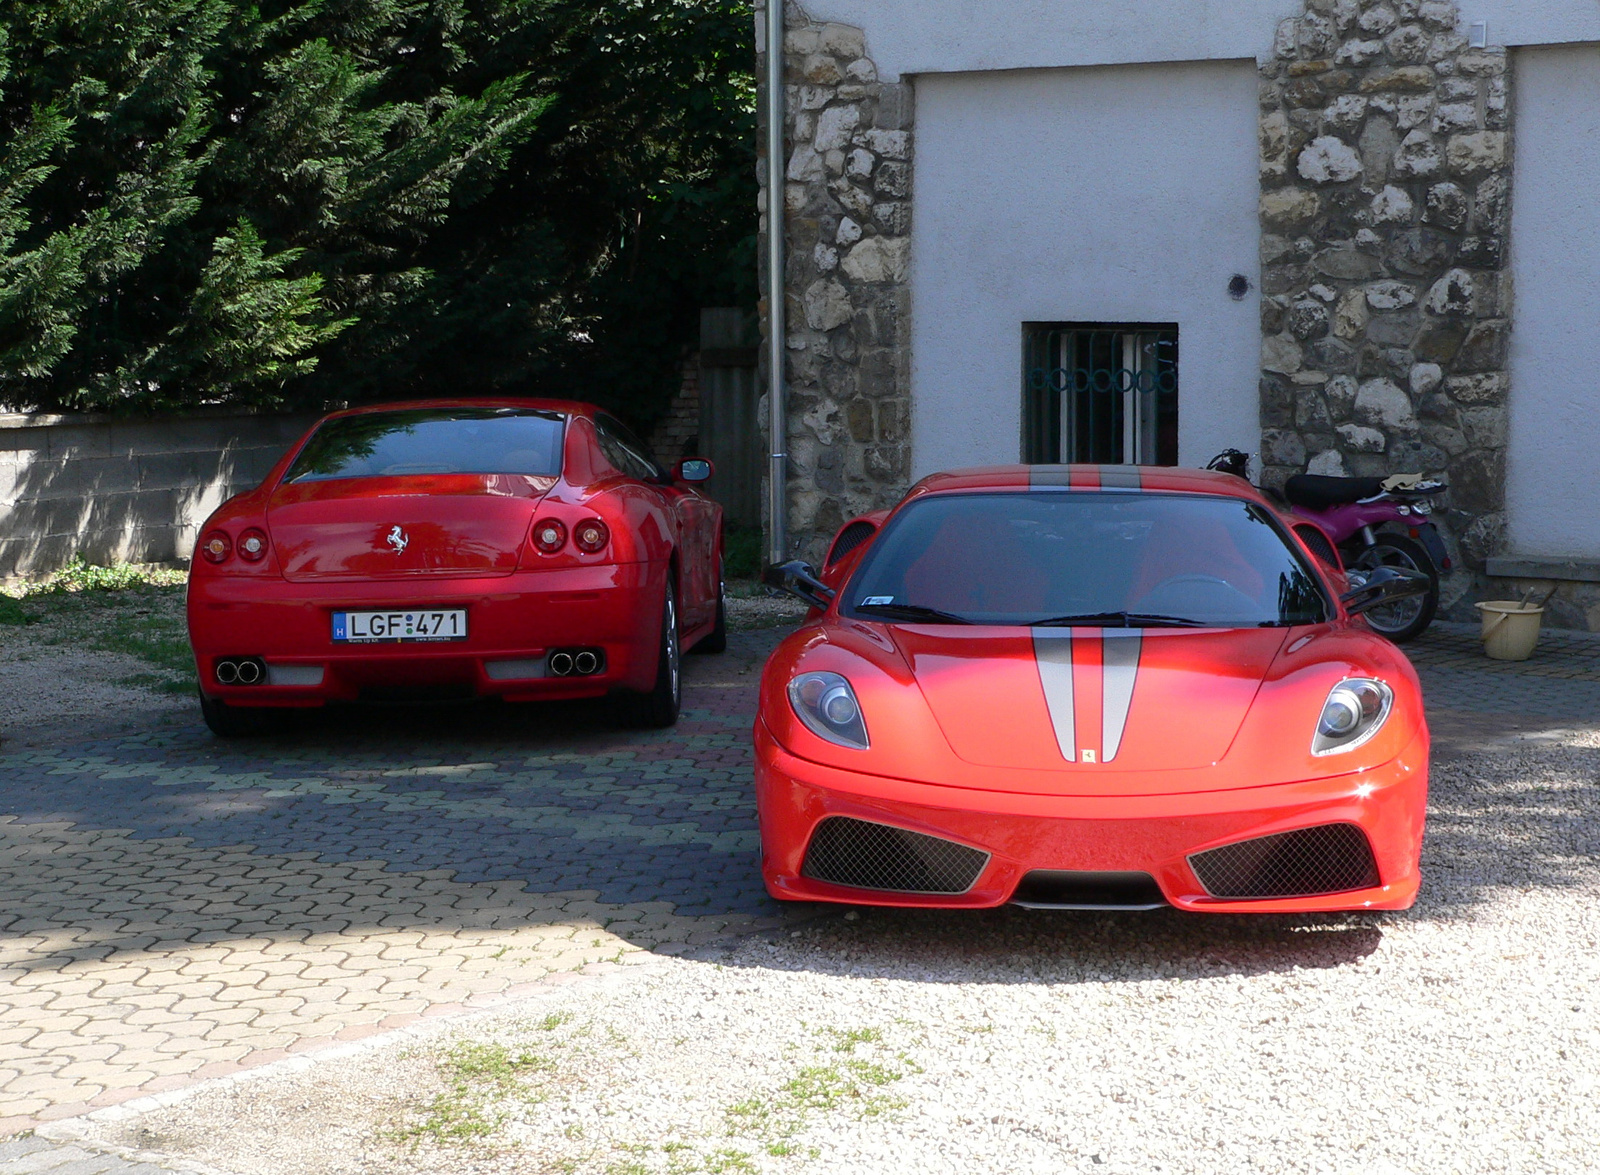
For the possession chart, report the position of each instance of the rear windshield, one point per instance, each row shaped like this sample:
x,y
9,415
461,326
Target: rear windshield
x,y
434,440
1074,558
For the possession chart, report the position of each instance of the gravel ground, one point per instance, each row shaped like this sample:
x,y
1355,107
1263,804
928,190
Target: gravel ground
x,y
1459,1037
52,677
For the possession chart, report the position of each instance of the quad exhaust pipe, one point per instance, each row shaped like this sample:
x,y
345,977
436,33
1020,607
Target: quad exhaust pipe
x,y
241,671
576,662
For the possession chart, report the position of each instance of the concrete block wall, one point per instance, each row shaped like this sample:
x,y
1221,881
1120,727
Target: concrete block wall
x,y
117,490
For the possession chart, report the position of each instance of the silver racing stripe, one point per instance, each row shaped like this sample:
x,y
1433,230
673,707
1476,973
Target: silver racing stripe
x,y
1120,477
1120,656
1049,477
1052,649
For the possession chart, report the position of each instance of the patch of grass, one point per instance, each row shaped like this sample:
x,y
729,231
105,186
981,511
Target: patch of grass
x,y
130,610
479,1075
11,611
828,1087
554,1020
845,1040
853,1084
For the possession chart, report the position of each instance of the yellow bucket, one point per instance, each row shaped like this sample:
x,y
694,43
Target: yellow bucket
x,y
1510,629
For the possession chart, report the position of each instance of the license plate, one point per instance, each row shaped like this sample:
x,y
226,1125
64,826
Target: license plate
x,y
375,628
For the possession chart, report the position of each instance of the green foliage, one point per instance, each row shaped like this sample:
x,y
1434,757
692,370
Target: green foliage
x,y
80,575
290,201
11,610
742,553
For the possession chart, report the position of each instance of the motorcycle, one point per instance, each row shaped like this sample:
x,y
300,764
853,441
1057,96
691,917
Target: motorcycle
x,y
1351,510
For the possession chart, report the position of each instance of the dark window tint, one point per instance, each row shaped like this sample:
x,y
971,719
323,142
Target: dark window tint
x,y
625,451
1025,559
434,440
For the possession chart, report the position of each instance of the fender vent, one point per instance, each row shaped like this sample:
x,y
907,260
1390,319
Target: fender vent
x,y
1328,859
1317,542
877,856
849,539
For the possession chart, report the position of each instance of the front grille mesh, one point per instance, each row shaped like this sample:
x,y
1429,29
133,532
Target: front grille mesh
x,y
863,855
1328,859
849,539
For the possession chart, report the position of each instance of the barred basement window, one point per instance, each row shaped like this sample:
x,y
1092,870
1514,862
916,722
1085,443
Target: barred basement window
x,y
1099,393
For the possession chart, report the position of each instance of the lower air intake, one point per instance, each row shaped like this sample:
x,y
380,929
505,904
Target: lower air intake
x,y
863,855
1052,889
1328,859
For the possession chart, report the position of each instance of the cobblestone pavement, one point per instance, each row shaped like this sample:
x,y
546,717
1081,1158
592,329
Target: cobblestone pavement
x,y
178,908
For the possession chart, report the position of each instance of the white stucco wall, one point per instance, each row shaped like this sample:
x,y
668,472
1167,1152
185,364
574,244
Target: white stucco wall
x,y
1553,490
943,36
1123,194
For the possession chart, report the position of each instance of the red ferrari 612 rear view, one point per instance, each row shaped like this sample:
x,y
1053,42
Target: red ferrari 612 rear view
x,y
522,549
1096,688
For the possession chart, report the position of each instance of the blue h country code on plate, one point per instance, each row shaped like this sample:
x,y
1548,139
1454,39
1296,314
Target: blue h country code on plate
x,y
370,628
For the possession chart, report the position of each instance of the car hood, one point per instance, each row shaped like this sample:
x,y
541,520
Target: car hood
x,y
1120,699
402,527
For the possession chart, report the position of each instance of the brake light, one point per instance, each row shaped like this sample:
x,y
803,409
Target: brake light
x,y
549,536
591,536
253,545
217,547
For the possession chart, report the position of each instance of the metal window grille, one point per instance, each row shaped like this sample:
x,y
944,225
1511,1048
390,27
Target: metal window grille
x,y
1101,394
1330,858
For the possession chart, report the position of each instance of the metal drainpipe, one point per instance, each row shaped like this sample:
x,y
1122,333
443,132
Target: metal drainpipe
x,y
777,401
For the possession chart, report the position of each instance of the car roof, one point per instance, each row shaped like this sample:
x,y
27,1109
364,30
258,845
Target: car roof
x,y
528,403
1124,478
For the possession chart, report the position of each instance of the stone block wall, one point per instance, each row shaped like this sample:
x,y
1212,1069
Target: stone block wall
x,y
678,432
847,216
114,490
1385,209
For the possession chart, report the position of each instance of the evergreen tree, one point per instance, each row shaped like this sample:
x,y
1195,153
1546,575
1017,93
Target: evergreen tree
x,y
290,201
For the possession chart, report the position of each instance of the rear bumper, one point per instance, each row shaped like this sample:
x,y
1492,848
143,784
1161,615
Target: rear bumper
x,y
513,622
1153,834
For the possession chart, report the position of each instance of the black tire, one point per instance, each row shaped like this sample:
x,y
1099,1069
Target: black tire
x,y
1407,619
659,708
228,721
717,640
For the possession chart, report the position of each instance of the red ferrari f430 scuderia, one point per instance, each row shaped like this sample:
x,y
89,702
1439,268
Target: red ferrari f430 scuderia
x,y
1091,687
522,549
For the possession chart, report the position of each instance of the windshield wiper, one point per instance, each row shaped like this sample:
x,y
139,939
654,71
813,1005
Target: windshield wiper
x,y
1120,620
911,612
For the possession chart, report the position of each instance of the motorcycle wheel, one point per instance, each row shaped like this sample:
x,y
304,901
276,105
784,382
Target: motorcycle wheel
x,y
1406,619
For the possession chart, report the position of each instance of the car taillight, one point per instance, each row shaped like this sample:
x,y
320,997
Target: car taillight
x,y
591,536
216,547
253,545
549,536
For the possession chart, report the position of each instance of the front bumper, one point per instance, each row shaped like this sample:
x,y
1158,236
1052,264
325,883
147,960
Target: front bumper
x,y
1150,834
513,622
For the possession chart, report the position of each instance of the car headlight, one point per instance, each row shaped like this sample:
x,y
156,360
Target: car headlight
x,y
827,705
1356,710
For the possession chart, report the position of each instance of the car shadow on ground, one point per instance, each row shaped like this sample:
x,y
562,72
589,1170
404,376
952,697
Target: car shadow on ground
x,y
1011,945
557,799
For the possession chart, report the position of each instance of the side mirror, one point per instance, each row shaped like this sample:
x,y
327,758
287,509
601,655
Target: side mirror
x,y
1386,585
693,469
800,580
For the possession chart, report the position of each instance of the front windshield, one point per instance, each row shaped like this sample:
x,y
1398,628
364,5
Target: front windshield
x,y
418,441
1091,559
